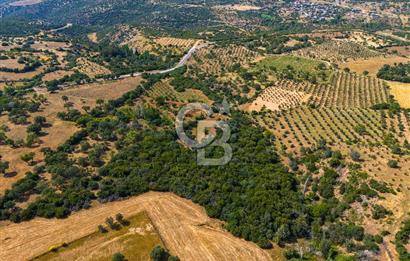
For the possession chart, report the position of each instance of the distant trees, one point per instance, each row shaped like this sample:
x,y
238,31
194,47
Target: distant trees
x,y
158,253
398,72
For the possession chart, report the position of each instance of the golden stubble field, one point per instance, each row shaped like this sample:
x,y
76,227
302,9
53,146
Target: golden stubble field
x,y
373,65
183,226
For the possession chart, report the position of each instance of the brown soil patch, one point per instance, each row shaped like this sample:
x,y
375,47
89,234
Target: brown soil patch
x,y
184,227
401,50
11,63
177,42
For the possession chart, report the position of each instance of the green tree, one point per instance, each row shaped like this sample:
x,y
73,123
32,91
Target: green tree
x,y
28,157
4,166
118,257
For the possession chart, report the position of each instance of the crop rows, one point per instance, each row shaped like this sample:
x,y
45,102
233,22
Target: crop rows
x,y
337,51
304,126
177,42
346,90
277,99
217,60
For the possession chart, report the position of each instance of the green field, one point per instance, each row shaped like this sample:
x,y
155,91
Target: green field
x,y
294,68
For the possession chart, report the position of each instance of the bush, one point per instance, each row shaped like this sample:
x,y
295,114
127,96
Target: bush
x,y
394,164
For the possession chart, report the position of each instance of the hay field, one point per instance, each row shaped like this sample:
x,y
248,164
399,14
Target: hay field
x,y
184,227
102,90
373,65
401,91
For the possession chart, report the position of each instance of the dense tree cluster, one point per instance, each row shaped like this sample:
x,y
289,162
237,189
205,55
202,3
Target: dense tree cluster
x,y
402,239
398,72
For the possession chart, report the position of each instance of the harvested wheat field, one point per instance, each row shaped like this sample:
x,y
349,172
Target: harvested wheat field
x,y
49,45
135,240
401,92
184,227
373,65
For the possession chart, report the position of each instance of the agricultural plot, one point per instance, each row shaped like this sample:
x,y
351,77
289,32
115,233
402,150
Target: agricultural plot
x,y
183,226
304,126
216,60
165,90
338,51
134,240
345,90
90,68
276,98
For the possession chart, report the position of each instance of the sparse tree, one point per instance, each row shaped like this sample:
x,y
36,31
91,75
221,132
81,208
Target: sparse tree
x,y
28,157
4,166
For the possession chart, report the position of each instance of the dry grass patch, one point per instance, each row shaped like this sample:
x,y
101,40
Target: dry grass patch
x,y
102,90
372,65
134,241
49,45
9,76
56,75
11,63
401,92
401,50
184,227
